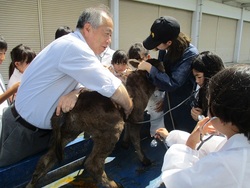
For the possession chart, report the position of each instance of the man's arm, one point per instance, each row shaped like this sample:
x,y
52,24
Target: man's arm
x,y
67,102
122,98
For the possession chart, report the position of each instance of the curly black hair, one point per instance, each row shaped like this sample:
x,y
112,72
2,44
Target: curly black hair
x,y
229,97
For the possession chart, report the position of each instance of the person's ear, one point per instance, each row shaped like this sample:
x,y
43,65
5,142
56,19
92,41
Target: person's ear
x,y
17,64
87,28
169,43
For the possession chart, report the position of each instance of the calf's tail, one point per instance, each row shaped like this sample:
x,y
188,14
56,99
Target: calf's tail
x,y
57,122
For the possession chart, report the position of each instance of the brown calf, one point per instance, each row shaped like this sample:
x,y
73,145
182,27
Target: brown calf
x,y
103,120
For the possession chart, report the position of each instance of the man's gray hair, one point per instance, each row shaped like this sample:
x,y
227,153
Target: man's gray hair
x,y
94,16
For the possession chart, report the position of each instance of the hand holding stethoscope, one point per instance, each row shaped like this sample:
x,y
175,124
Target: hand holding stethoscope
x,y
203,127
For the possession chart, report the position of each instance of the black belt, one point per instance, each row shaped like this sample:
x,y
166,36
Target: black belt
x,y
23,122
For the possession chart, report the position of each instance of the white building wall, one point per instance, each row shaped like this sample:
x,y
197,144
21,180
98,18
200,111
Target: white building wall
x,y
33,23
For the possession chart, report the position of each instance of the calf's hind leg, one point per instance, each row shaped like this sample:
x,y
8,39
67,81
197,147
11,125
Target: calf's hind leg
x,y
49,159
46,162
104,144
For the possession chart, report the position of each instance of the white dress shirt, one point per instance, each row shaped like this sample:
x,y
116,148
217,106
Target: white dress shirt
x,y
55,72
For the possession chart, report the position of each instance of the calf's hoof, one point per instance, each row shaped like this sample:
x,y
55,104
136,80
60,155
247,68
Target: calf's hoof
x,y
125,144
29,185
113,184
146,162
119,185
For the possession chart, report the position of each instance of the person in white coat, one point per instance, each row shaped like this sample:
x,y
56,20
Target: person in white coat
x,y
227,164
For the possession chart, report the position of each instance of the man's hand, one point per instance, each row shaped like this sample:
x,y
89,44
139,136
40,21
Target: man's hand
x,y
122,98
67,102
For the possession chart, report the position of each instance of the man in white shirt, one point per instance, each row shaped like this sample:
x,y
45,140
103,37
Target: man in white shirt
x,y
51,82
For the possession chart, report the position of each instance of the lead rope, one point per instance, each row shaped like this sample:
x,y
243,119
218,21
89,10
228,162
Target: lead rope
x,y
170,113
142,122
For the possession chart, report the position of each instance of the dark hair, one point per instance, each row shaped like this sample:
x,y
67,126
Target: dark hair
x,y
94,16
20,53
137,51
63,30
119,57
229,97
177,48
3,44
209,64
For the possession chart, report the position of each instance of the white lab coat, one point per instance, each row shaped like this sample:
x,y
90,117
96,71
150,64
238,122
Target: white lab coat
x,y
229,167
180,137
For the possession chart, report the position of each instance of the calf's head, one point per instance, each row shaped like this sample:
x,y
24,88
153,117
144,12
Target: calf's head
x,y
140,88
133,64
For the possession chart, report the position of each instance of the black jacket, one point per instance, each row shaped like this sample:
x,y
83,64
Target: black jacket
x,y
179,83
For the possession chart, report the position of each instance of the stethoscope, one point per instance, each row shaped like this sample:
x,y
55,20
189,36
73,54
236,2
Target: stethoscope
x,y
200,117
182,102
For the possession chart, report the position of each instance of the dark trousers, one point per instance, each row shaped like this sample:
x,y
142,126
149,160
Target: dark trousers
x,y
18,142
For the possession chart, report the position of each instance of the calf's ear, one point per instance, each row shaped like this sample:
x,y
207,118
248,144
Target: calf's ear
x,y
156,63
133,63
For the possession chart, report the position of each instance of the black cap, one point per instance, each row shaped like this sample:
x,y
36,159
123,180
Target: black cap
x,y
163,29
